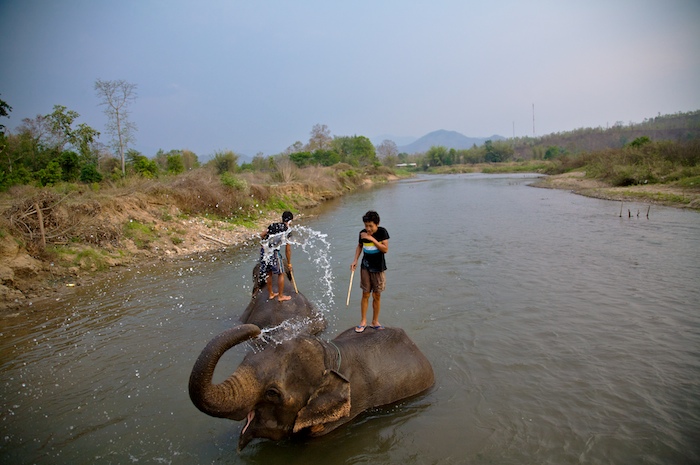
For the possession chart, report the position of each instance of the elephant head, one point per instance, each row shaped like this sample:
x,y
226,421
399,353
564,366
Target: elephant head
x,y
305,385
267,313
280,390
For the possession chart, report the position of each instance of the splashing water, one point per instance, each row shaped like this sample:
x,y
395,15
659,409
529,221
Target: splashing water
x,y
317,248
284,331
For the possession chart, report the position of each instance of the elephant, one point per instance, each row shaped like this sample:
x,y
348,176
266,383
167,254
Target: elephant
x,y
269,313
307,386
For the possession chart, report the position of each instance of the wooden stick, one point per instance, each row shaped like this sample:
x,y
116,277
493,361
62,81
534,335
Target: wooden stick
x,y
40,217
291,273
213,239
352,275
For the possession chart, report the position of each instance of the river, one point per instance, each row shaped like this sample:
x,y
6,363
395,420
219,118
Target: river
x,y
559,333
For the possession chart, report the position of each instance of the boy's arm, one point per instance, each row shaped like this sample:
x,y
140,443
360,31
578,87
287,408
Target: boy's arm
x,y
288,251
358,251
383,246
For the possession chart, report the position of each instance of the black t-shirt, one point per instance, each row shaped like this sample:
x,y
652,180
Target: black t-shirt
x,y
275,240
373,258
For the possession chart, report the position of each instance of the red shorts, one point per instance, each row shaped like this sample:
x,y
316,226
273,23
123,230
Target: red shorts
x,y
372,282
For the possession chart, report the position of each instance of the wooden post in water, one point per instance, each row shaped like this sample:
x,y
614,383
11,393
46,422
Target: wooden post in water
x,y
40,217
621,202
648,211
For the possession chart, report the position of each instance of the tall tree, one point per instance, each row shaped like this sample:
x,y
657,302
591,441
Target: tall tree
x,y
320,138
116,96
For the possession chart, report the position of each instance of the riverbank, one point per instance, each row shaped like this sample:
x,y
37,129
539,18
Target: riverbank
x,y
657,194
88,235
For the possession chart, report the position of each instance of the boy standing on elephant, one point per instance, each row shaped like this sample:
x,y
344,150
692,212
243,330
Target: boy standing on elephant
x,y
374,242
270,257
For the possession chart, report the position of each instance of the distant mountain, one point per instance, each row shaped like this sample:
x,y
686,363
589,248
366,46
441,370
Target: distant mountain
x,y
398,140
448,139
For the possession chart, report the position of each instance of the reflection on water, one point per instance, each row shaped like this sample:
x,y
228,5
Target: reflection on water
x,y
558,331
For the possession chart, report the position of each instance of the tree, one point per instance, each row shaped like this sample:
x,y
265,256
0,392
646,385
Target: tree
x,y
320,138
175,165
61,123
5,110
225,162
388,152
142,165
437,156
190,160
497,152
116,96
355,150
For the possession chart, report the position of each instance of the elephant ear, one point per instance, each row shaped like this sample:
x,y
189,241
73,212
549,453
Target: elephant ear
x,y
329,403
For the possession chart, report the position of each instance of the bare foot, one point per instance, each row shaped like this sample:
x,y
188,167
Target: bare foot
x,y
284,298
272,296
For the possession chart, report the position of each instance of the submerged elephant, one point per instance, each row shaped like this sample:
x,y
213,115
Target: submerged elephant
x,y
267,313
308,386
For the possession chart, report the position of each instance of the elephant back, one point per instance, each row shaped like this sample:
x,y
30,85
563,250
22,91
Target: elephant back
x,y
394,365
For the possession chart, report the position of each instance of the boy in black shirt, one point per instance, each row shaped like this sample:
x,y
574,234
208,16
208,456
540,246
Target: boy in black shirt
x,y
374,241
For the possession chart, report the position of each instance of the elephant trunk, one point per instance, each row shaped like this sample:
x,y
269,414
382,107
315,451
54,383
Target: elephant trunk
x,y
235,396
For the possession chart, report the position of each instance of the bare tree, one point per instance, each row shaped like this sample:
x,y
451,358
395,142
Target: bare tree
x,y
116,96
388,152
320,138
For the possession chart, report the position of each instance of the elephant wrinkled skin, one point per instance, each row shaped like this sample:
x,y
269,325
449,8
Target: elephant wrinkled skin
x,y
308,386
267,313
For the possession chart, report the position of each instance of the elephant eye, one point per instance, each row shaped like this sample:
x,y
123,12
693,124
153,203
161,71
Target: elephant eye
x,y
272,395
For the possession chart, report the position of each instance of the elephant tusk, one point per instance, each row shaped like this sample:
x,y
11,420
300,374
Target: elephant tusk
x,y
249,419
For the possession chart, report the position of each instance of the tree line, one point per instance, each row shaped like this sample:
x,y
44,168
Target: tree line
x,y
56,147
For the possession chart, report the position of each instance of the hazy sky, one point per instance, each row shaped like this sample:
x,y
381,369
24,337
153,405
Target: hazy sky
x,y
255,76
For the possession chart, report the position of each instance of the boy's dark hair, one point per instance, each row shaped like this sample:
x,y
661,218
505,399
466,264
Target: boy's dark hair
x,y
371,217
287,216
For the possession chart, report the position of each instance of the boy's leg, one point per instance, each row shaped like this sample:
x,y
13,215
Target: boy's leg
x,y
364,304
376,306
378,285
280,288
268,282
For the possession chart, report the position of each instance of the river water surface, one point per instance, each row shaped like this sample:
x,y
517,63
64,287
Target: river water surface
x,y
559,332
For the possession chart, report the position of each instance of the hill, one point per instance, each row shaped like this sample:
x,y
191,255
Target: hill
x,y
448,139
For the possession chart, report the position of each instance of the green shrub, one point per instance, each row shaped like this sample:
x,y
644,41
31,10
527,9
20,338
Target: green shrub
x,y
229,179
89,174
141,234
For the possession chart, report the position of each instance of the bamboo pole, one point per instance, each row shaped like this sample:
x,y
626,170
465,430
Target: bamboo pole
x,y
352,275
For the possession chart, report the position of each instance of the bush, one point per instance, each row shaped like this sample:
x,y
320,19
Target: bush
x,y
89,174
229,179
225,162
50,175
